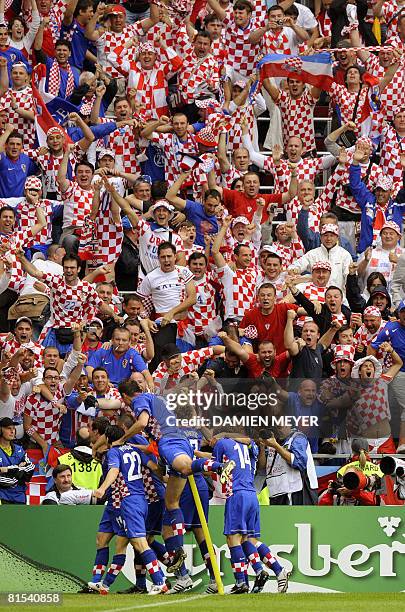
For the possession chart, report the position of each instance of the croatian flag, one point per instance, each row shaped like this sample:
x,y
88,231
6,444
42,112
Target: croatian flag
x,y
50,111
313,69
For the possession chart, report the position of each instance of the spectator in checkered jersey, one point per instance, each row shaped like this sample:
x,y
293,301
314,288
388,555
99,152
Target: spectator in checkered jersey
x,y
281,34
384,256
16,96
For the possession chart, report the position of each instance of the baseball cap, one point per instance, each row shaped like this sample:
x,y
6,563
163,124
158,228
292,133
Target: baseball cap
x,y
97,322
240,219
105,152
322,265
330,227
26,319
115,9
7,422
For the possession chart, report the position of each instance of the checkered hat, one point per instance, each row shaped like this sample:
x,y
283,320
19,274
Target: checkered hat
x,y
206,137
240,220
391,225
250,332
146,46
343,352
372,311
33,182
163,203
365,140
322,265
377,367
330,227
240,83
384,182
207,103
105,152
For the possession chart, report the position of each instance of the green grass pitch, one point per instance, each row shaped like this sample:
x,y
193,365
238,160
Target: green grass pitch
x,y
297,602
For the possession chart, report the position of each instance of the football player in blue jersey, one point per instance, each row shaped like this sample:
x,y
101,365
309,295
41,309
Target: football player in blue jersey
x,y
242,518
159,423
125,463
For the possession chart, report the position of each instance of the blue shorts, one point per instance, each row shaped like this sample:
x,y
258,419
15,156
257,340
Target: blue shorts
x,y
134,512
111,522
188,507
155,517
170,448
242,514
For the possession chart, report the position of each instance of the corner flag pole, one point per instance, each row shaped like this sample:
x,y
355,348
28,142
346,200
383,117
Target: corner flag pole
x,y
207,536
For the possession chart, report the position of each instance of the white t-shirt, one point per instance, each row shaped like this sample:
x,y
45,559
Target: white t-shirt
x,y
74,497
167,289
46,266
306,18
150,237
13,407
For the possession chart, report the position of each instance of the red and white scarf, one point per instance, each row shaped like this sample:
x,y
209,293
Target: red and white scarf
x,y
55,80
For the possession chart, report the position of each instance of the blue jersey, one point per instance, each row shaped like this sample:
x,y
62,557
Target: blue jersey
x,y
118,368
13,174
129,461
74,32
154,487
393,332
245,458
162,422
63,77
14,56
14,484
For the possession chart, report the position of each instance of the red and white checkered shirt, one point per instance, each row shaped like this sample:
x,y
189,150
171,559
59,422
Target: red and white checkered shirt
x,y
364,337
151,86
49,165
391,11
150,490
125,142
238,289
77,205
242,54
45,415
24,100
316,210
28,218
392,145
71,304
17,240
109,235
393,95
190,362
307,170
371,408
109,41
12,346
171,145
203,313
276,42
83,420
312,292
297,118
230,175
289,253
334,186
196,75
346,101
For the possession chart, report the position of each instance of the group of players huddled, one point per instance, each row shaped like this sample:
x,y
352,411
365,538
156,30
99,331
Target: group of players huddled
x,y
146,464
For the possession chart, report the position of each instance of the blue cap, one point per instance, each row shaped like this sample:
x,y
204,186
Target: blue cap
x,y
401,305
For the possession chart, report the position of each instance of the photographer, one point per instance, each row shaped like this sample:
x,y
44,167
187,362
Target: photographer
x,y
357,482
286,461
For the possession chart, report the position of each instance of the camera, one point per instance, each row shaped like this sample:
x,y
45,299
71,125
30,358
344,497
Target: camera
x,y
334,486
92,329
280,22
391,466
90,402
355,479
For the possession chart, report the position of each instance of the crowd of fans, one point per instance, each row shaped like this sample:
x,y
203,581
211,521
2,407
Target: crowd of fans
x,y
156,232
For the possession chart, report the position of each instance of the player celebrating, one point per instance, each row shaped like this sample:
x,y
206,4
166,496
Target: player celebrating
x,y
242,518
155,419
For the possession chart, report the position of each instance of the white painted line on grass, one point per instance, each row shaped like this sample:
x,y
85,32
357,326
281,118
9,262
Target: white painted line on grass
x,y
167,602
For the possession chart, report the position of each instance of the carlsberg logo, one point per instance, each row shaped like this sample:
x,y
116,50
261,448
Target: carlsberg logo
x,y
381,556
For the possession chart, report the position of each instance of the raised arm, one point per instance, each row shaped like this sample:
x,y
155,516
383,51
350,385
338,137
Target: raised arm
x,y
290,342
173,190
61,176
272,90
217,8
391,70
234,346
30,268
122,202
75,374
4,81
91,32
219,241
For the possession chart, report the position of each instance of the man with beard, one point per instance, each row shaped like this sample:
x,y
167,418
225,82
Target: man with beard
x,y
369,330
120,360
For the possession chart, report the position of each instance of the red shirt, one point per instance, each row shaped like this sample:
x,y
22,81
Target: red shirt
x,y
271,326
239,204
279,368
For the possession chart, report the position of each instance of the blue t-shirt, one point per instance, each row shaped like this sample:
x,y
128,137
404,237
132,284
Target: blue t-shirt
x,y
13,175
118,368
63,77
74,32
393,332
245,458
129,461
162,421
205,224
14,56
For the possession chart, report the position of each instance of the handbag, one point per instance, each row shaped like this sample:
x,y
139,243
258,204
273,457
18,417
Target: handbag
x,y
64,335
